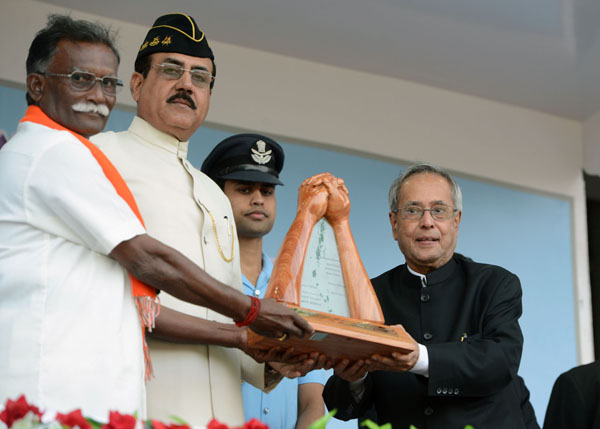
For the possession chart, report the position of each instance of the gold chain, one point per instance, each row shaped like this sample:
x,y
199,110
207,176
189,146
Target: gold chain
x,y
214,225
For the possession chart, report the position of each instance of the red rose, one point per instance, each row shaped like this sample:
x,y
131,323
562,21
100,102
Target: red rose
x,y
155,424
158,425
255,424
117,420
74,418
215,424
16,410
176,426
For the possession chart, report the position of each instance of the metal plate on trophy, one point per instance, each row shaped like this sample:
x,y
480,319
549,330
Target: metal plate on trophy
x,y
318,273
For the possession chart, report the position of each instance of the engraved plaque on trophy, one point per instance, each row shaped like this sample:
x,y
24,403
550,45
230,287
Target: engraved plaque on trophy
x,y
319,274
322,287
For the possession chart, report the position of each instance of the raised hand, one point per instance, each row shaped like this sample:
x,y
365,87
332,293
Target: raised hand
x,y
313,195
338,204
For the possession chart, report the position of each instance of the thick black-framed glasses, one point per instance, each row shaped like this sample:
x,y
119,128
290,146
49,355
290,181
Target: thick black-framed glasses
x,y
84,81
438,212
200,78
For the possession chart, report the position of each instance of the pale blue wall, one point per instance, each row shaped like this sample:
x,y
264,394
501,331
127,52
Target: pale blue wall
x,y
525,232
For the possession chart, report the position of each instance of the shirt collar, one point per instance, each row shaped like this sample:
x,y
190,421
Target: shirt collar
x,y
155,137
263,278
267,263
422,277
436,276
267,267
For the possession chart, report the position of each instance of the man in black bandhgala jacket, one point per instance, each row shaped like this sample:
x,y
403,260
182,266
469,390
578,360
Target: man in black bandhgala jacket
x,y
463,315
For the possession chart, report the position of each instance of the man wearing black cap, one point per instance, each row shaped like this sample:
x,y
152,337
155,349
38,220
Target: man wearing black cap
x,y
247,168
172,82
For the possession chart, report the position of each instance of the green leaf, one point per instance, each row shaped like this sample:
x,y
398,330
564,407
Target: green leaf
x,y
179,420
95,424
322,422
372,425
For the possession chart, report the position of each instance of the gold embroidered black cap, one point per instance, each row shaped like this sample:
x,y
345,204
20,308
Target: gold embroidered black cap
x,y
176,32
247,158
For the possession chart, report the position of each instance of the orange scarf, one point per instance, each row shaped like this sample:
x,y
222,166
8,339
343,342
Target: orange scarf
x,y
145,296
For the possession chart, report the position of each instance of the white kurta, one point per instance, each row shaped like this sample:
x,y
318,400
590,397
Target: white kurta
x,y
69,332
178,204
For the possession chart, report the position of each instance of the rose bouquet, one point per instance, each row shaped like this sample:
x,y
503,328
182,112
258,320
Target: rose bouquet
x,y
20,414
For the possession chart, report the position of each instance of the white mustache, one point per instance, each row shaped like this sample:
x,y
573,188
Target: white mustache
x,y
101,109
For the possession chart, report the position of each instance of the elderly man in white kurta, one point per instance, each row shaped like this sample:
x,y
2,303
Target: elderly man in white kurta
x,y
66,308
187,210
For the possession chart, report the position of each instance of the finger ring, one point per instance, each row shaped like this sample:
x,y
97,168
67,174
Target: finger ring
x,y
283,337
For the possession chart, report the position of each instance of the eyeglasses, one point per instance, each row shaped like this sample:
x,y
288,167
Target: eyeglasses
x,y
439,212
200,78
84,81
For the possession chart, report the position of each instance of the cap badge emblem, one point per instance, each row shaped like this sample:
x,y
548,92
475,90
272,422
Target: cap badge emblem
x,y
261,156
155,41
166,41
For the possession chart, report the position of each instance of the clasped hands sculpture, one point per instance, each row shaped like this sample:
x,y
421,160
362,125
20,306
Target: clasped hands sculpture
x,y
325,196
337,337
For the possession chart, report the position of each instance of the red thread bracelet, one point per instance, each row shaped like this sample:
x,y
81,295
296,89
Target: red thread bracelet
x,y
252,314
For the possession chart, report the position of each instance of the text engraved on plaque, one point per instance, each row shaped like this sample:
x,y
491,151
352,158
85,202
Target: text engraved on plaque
x,y
323,287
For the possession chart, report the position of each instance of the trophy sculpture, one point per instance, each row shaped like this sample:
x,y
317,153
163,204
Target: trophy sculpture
x,y
328,285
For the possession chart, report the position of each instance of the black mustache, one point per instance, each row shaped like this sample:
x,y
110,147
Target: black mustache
x,y
183,96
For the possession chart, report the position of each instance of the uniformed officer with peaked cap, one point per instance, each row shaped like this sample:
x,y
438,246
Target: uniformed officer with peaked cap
x,y
247,167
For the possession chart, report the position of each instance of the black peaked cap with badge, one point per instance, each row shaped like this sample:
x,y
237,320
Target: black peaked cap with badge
x,y
176,32
247,158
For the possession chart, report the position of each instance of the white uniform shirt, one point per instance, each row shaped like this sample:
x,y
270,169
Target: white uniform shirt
x,y
179,204
69,331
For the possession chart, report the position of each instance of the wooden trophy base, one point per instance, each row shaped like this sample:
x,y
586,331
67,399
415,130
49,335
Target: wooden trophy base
x,y
340,337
